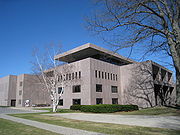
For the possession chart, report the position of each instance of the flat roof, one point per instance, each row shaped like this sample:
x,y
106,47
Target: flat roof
x,y
89,50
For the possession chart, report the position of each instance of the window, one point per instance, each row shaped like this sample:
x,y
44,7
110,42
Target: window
x,y
102,75
96,73
76,101
20,92
111,76
69,76
114,89
116,77
108,76
60,102
99,74
76,75
98,87
76,88
19,101
79,74
114,100
59,90
20,84
72,75
66,76
99,101
105,75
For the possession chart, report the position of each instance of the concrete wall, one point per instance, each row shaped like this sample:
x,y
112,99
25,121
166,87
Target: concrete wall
x,y
106,83
84,67
32,90
7,90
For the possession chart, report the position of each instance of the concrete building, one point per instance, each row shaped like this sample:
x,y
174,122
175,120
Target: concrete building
x,y
93,75
8,90
22,90
105,78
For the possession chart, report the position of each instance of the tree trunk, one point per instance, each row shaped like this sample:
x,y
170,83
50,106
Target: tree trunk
x,y
54,106
175,51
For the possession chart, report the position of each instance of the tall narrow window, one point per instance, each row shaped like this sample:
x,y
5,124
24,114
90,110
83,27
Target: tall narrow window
x,y
108,76
105,75
102,75
116,77
69,76
99,74
72,76
111,76
76,75
20,84
66,76
96,73
79,74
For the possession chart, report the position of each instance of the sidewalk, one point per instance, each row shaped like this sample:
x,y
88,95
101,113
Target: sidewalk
x,y
169,122
49,127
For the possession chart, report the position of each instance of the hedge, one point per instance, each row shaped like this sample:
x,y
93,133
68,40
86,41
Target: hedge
x,y
75,107
104,108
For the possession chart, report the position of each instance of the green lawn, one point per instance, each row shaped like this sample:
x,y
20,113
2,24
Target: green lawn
x,y
12,128
115,129
163,111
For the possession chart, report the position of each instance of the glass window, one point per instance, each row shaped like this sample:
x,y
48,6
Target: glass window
x,y
102,75
96,73
72,75
60,102
99,101
69,76
76,101
114,100
98,87
79,74
59,90
19,101
116,77
76,75
105,75
111,76
76,88
99,74
108,76
20,92
114,89
20,84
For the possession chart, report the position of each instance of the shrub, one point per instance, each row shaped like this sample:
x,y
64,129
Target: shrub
x,y
75,107
107,108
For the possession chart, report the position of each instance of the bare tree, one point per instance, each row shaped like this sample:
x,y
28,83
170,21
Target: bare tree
x,y
143,90
153,24
52,73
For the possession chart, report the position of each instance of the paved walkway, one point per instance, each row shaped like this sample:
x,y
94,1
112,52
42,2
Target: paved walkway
x,y
41,125
170,122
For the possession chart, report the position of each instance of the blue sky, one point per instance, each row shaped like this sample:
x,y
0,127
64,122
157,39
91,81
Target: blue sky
x,y
25,24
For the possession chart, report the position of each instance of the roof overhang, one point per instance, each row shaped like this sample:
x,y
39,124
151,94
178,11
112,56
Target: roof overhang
x,y
89,50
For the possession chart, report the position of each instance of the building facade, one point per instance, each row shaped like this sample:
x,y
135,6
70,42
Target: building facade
x,y
93,75
108,78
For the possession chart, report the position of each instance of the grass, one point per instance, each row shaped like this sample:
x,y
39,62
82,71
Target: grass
x,y
106,128
159,111
59,110
4,106
12,128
